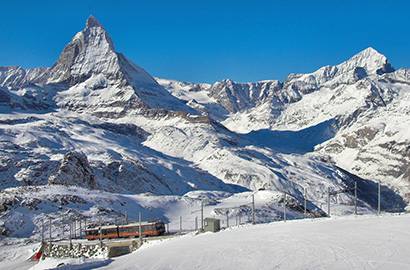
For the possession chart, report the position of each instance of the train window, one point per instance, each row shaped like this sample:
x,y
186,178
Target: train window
x,y
112,231
93,232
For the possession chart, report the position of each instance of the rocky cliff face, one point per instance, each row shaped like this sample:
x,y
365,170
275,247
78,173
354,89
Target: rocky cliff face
x,y
74,171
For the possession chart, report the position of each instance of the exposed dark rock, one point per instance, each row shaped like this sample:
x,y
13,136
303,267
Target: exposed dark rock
x,y
74,170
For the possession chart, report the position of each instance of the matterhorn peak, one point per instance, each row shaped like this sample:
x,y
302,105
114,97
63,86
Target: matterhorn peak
x,y
93,22
91,51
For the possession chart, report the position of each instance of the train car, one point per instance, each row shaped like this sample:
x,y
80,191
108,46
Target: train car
x,y
129,230
147,229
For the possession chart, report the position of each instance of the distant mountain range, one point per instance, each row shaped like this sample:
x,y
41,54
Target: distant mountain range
x,y
96,120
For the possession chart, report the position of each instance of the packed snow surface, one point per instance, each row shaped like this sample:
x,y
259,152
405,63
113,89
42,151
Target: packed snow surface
x,y
363,242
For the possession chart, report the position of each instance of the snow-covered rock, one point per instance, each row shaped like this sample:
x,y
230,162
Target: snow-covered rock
x,y
74,171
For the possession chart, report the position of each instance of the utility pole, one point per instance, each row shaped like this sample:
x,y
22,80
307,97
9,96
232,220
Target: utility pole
x,y
140,227
328,201
49,236
304,197
100,231
126,217
202,215
70,232
355,198
85,227
253,208
42,230
378,202
284,206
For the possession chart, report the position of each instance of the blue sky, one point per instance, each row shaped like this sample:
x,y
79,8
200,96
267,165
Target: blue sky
x,y
207,41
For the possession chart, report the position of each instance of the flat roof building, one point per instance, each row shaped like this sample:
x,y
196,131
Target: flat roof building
x,y
212,224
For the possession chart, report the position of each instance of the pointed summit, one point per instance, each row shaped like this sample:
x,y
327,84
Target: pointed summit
x,y
370,60
93,22
91,51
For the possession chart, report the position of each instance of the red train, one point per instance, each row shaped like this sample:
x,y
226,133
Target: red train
x,y
129,230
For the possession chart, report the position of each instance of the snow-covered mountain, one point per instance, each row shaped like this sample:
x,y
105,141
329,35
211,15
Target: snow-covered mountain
x,y
357,111
98,121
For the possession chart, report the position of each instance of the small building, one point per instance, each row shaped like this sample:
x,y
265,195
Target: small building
x,y
212,224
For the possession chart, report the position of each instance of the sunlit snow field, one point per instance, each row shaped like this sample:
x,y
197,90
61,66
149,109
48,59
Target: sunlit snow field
x,y
362,242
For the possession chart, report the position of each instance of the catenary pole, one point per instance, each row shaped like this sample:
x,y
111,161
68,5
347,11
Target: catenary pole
x,y
378,201
100,231
284,206
355,197
202,215
253,208
42,230
328,201
304,197
49,236
140,226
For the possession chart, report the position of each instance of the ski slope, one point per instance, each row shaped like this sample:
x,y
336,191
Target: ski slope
x,y
363,242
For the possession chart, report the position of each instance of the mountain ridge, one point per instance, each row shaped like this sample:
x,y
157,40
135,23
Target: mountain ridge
x,y
137,134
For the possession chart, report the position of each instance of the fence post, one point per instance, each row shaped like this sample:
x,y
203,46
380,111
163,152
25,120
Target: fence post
x,y
196,223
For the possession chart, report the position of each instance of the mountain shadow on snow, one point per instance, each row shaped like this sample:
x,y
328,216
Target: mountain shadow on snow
x,y
288,141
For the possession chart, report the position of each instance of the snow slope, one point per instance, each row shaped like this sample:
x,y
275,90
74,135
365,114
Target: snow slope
x,y
365,242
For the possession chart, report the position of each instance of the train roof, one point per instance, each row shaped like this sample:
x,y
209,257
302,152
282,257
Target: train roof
x,y
124,225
